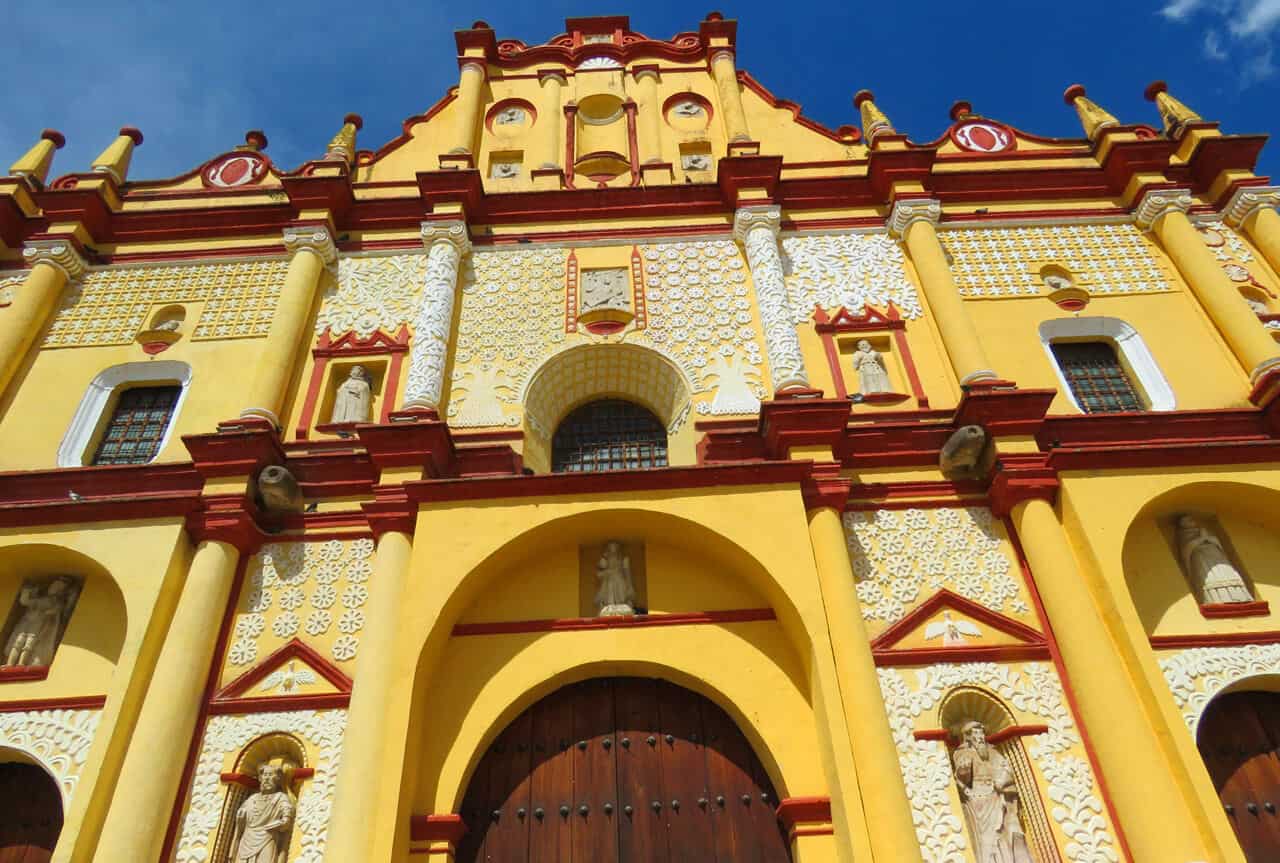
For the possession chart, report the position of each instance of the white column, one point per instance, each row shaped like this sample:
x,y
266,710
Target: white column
x,y
446,243
757,229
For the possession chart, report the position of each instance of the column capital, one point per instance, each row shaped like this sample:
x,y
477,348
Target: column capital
x,y
315,239
557,75
465,63
1158,203
907,212
648,71
748,219
56,253
727,53
1247,200
453,232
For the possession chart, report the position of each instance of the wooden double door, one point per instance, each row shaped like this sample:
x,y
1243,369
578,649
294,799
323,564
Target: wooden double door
x,y
1239,740
30,814
621,770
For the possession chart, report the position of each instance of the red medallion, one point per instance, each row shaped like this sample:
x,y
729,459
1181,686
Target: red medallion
x,y
238,169
983,136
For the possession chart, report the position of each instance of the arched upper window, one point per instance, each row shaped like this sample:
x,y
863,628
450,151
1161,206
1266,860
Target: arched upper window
x,y
126,415
609,434
1104,366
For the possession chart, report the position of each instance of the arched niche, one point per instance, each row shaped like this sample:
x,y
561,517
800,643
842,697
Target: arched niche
x,y
95,631
1243,516
281,750
627,767
94,411
589,372
958,710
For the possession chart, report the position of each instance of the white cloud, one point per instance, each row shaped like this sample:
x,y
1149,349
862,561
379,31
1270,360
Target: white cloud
x,y
1240,31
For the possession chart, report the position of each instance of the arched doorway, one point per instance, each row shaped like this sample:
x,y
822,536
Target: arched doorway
x,y
1239,739
30,814
621,770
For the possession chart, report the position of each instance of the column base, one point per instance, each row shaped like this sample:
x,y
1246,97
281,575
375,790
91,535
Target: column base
x,y
457,162
436,836
547,178
252,418
414,413
744,148
657,174
1266,383
802,391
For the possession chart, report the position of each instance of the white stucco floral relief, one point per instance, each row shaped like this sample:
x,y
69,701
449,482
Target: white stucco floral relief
x,y
850,270
58,739
1197,674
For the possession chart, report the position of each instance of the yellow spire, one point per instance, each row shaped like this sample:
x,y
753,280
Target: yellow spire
x,y
35,163
115,159
874,121
1173,113
1093,118
343,146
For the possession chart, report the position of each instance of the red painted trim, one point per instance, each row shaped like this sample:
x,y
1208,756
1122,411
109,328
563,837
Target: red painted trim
x,y
350,345
318,701
999,737
294,649
73,702
18,673
801,832
1068,689
633,146
804,810
871,320
437,828
933,655
1259,608
571,292
576,624
1220,639
570,143
211,684
947,600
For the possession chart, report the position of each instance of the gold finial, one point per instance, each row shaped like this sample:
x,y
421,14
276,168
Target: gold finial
x,y
874,121
115,159
343,146
1173,113
35,163
254,141
1093,118
961,110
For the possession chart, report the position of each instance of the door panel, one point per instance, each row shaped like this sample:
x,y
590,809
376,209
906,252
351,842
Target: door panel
x,y
600,746
30,814
1239,737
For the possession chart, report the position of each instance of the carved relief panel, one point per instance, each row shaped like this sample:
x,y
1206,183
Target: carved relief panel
x,y
38,619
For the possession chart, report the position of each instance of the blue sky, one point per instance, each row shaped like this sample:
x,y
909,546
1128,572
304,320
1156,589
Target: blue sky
x,y
194,76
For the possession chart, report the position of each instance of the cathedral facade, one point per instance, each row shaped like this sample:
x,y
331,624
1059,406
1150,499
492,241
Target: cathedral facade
x,y
619,465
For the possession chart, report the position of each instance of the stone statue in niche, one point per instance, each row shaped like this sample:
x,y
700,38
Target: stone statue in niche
x,y
1213,577
605,289
616,596
687,108
171,325
1057,283
869,364
696,162
1258,306
509,116
989,797
45,610
264,823
354,396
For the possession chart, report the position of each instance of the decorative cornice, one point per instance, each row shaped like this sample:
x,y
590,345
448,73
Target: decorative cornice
x,y
56,253
748,219
1247,200
1158,203
452,232
311,238
907,212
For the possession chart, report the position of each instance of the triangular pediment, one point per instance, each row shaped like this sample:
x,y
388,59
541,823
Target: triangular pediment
x,y
948,627
296,671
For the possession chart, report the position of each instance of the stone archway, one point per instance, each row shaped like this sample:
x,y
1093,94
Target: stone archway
x,y
30,813
621,769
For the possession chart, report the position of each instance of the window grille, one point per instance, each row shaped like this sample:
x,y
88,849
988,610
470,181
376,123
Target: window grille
x,y
1097,379
137,425
609,434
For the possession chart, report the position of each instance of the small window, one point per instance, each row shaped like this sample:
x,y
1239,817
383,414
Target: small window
x,y
137,425
609,434
1098,381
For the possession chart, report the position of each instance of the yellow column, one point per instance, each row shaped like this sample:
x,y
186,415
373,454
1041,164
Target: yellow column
x,y
551,119
312,249
1253,210
115,159
470,86
650,131
879,771
53,264
1158,821
35,163
148,785
913,221
1164,212
726,75
355,805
